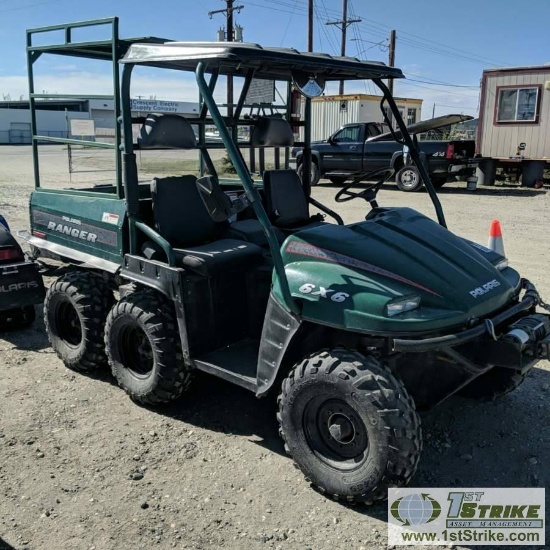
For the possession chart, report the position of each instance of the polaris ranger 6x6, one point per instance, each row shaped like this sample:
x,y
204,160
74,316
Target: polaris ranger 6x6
x,y
352,326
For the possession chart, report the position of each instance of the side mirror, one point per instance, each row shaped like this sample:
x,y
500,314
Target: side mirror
x,y
219,206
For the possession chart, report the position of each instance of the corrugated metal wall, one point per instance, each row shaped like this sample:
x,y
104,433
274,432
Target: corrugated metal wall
x,y
328,114
502,140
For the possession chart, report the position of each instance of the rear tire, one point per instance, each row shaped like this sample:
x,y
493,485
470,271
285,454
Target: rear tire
x,y
493,384
349,425
408,179
144,350
315,173
75,310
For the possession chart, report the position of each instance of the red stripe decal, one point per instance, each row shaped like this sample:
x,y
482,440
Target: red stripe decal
x,y
304,249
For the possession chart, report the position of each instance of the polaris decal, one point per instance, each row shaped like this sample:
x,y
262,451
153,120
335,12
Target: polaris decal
x,y
75,228
323,292
18,286
304,249
487,287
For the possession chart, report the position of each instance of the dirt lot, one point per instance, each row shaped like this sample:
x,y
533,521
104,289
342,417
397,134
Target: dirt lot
x,y
82,467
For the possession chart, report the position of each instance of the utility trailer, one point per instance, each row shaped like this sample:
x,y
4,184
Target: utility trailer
x,y
514,124
351,327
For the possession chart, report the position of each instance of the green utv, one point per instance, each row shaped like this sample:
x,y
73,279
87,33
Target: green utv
x,y
350,325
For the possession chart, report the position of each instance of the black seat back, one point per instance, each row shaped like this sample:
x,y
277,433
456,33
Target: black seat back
x,y
160,131
272,132
285,200
180,215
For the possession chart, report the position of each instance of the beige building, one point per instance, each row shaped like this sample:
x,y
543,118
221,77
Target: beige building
x,y
514,122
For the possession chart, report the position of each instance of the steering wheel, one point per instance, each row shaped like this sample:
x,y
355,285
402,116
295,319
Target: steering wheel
x,y
369,192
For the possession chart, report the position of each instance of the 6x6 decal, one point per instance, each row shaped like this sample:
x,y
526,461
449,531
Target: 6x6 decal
x,y
323,292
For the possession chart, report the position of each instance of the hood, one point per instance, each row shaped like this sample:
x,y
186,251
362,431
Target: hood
x,y
425,126
397,253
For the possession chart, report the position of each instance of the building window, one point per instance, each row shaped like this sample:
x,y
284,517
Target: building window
x,y
518,104
411,116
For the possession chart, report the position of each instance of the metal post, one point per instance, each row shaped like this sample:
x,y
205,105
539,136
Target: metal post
x,y
310,26
229,77
391,58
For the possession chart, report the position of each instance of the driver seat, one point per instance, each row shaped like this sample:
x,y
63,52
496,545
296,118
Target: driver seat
x,y
286,203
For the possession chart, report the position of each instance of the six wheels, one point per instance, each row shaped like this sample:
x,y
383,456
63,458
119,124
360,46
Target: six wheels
x,y
75,311
349,425
144,350
493,384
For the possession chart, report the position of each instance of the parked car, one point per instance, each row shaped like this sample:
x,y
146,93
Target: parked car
x,y
366,146
21,284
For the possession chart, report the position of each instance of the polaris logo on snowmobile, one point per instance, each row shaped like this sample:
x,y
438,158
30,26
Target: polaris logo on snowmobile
x,y
18,286
73,232
481,290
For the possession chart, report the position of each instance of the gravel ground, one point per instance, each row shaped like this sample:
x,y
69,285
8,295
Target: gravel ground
x,y
82,467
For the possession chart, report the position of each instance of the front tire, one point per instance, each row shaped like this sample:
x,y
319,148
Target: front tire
x,y
408,179
493,384
349,425
315,173
75,310
144,350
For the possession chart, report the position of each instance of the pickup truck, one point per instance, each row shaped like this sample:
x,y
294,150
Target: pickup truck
x,y
366,146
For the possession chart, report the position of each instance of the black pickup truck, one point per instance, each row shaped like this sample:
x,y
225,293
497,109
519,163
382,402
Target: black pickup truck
x,y
367,146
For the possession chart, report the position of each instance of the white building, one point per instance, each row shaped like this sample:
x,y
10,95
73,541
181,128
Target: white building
x,y
53,117
331,112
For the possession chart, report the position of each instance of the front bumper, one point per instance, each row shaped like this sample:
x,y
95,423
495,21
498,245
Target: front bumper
x,y
492,332
20,285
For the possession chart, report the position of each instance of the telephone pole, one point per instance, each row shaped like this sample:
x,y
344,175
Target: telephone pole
x,y
230,36
343,26
310,26
391,58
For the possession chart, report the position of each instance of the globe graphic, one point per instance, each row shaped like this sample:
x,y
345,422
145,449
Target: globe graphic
x,y
417,510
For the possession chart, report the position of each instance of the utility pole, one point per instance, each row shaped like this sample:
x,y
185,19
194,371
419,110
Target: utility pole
x,y
343,26
391,58
310,26
230,36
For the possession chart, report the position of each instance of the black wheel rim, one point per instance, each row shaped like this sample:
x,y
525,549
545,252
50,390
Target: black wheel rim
x,y
336,433
68,324
136,353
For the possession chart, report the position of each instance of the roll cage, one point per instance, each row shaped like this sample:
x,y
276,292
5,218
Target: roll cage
x,y
212,59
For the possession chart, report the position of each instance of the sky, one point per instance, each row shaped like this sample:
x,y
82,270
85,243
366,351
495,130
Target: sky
x,y
442,47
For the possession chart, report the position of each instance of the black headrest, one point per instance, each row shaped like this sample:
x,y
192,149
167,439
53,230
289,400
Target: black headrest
x,y
272,132
161,131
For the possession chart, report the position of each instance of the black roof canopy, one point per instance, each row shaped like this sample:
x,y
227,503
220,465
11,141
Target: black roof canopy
x,y
237,58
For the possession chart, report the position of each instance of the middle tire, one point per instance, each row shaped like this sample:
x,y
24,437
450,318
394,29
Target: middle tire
x,y
349,425
144,350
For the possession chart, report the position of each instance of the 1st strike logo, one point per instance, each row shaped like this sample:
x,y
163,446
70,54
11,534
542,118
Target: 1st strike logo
x,y
72,232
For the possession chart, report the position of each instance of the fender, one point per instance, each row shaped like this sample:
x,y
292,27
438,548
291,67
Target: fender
x,y
398,156
315,157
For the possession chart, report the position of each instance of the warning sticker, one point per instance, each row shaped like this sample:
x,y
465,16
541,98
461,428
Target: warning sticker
x,y
110,218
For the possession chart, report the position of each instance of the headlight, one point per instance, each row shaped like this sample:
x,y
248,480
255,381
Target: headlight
x,y
401,305
502,264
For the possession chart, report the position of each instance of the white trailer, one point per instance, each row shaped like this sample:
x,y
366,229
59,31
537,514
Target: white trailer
x,y
330,112
514,124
